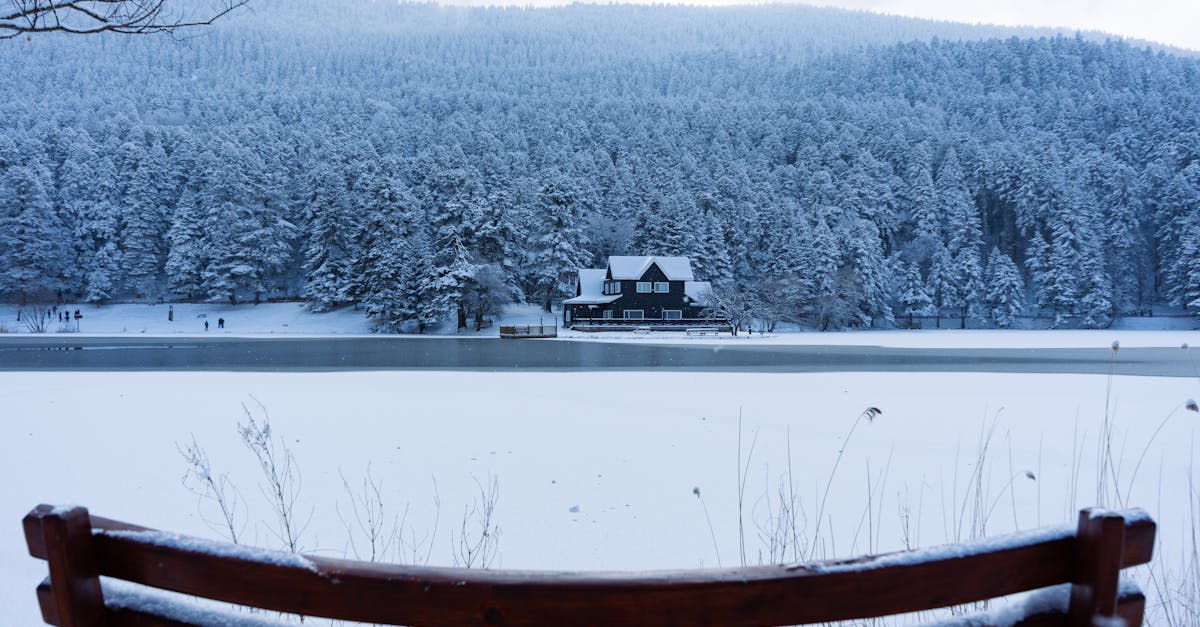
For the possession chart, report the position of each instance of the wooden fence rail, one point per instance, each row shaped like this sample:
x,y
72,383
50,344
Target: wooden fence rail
x,y
80,548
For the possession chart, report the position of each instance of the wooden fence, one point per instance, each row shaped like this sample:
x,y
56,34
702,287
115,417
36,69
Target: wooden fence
x,y
80,548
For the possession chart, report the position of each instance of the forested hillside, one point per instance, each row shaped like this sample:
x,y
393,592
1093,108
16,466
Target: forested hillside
x,y
849,169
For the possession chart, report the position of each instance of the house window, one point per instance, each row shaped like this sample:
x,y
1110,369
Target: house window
x,y
661,287
608,314
644,287
672,314
612,287
634,314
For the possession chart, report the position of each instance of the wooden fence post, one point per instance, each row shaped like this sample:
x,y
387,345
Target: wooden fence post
x,y
74,578
1099,543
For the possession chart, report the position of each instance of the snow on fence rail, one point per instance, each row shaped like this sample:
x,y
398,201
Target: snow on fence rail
x,y
80,549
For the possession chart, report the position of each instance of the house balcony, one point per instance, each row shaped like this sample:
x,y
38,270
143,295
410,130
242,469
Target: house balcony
x,y
648,324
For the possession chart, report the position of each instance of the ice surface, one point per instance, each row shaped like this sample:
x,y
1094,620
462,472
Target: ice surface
x,y
654,436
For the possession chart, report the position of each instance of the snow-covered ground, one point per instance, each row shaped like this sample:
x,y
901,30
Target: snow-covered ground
x,y
287,318
247,319
292,319
601,470
945,338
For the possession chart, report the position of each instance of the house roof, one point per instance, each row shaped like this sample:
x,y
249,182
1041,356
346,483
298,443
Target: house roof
x,y
631,268
698,291
591,289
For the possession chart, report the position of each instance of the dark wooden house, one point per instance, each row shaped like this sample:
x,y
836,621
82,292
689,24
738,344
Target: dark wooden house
x,y
639,291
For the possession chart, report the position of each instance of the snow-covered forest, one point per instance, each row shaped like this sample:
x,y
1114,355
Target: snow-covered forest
x,y
849,169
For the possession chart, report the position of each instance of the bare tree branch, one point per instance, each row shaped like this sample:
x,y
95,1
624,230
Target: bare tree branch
x,y
85,17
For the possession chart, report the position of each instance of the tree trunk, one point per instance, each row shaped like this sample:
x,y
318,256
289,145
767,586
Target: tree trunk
x,y
462,317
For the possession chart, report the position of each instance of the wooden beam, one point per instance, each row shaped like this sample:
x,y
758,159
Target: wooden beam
x,y
783,594
1098,559
74,578
393,594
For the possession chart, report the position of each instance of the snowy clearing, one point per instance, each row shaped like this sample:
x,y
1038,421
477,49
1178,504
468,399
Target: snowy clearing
x,y
292,319
601,470
970,338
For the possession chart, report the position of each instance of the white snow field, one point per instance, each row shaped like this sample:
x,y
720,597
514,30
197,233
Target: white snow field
x,y
293,319
601,470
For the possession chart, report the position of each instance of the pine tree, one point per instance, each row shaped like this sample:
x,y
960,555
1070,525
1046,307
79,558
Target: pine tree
x,y
250,239
940,284
1005,290
331,225
187,248
560,248
913,296
452,274
865,257
145,221
31,236
1037,262
963,236
497,239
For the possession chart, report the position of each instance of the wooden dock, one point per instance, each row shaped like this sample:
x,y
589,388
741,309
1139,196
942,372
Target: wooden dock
x,y
515,331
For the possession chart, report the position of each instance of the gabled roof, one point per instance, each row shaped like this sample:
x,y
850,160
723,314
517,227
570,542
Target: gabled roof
x,y
632,268
591,289
698,291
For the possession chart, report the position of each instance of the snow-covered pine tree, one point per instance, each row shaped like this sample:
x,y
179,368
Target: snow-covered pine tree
x,y
452,272
250,237
497,240
145,221
1095,285
940,283
454,226
914,299
330,225
187,248
85,189
712,253
392,272
1075,282
1122,199
31,236
104,269
963,236
864,255
818,271
1178,203
1005,296
921,197
560,247
652,228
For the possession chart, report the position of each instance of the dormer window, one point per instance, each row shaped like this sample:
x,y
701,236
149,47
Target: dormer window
x,y
612,287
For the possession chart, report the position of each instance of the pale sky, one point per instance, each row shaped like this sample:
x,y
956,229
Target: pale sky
x,y
1173,22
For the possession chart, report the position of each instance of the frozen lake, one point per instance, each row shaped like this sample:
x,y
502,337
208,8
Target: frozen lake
x,y
59,353
597,469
